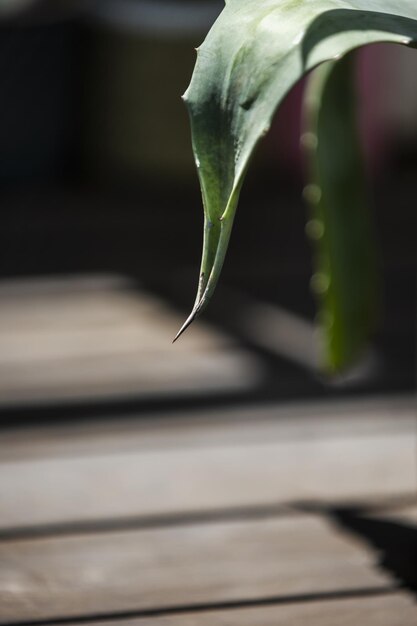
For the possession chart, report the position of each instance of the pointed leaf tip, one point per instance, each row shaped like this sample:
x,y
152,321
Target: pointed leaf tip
x,y
190,319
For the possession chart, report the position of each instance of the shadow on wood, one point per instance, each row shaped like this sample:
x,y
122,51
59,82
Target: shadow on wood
x,y
395,541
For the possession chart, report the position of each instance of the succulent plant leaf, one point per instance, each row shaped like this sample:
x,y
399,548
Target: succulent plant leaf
x,y
256,51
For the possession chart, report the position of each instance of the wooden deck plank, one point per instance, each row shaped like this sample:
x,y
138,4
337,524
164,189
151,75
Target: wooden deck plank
x,y
265,466
281,421
91,472
80,338
202,564
391,610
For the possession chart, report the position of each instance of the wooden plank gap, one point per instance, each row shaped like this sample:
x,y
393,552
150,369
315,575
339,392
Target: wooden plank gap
x,y
368,506
175,610
116,524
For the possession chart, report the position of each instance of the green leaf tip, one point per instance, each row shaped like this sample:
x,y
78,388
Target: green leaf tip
x,y
186,324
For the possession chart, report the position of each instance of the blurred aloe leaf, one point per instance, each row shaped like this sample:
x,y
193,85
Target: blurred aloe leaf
x,y
345,280
254,54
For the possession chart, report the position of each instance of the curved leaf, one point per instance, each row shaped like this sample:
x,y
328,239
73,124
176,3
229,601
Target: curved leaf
x,y
255,52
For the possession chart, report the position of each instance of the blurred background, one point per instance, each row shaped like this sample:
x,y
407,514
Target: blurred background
x,y
140,479
102,223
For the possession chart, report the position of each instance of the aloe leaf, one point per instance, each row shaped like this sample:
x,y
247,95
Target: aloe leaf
x,y
345,282
254,54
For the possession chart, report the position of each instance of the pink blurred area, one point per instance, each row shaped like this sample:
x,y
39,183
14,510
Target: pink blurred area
x,y
387,114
